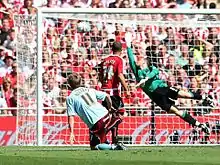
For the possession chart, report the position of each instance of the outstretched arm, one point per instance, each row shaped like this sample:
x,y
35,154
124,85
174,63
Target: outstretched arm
x,y
132,62
71,113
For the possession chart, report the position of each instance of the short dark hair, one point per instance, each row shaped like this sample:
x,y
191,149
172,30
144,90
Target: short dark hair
x,y
116,47
74,80
212,5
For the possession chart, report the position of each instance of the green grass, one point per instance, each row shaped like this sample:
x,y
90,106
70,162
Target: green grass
x,y
143,156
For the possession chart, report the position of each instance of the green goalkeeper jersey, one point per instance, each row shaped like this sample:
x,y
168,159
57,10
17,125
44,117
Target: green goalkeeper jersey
x,y
152,73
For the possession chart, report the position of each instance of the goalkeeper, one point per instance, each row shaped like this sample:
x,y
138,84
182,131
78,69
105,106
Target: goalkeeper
x,y
159,92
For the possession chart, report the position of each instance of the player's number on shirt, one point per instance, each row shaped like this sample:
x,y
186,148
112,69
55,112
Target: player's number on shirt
x,y
108,72
88,99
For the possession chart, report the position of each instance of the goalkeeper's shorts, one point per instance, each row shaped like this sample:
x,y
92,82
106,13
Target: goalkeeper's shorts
x,y
164,96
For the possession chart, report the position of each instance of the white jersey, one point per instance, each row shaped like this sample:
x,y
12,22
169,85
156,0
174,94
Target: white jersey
x,y
83,102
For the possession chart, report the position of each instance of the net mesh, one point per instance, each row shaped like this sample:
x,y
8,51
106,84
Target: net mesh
x,y
26,54
184,48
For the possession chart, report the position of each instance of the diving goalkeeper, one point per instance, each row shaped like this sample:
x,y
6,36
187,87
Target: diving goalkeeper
x,y
160,93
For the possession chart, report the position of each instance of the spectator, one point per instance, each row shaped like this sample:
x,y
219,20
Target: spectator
x,y
10,42
182,60
28,8
13,102
78,61
163,56
183,4
46,59
170,67
182,77
60,102
213,64
115,4
189,38
54,69
4,30
192,68
52,92
7,90
46,77
14,77
94,81
198,50
6,68
65,71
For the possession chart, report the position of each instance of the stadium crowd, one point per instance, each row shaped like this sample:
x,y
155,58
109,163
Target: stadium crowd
x,y
187,57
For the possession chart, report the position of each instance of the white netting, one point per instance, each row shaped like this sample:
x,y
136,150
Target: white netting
x,y
26,54
78,43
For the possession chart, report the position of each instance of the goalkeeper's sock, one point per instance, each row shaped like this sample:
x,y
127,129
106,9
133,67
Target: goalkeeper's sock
x,y
189,119
103,146
196,96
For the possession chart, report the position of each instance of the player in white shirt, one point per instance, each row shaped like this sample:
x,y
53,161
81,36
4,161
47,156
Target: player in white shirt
x,y
83,102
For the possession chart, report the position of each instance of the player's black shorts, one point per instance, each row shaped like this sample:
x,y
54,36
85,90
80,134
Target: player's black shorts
x,y
117,103
162,97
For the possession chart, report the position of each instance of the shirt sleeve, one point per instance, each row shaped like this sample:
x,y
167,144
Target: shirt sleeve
x,y
120,66
100,95
70,107
132,62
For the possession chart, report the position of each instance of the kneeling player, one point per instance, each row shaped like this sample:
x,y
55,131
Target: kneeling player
x,y
148,77
84,103
117,112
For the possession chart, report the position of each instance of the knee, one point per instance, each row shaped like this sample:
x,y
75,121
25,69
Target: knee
x,y
174,110
183,94
167,108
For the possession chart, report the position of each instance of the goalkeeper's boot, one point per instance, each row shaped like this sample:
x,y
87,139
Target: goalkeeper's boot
x,y
208,101
120,146
205,128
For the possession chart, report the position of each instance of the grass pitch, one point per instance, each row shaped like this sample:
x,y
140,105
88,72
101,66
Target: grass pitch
x,y
137,156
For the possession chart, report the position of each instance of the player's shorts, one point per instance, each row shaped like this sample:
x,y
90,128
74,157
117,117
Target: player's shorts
x,y
99,131
162,97
117,103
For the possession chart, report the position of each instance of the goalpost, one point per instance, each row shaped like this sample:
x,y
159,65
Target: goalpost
x,y
34,34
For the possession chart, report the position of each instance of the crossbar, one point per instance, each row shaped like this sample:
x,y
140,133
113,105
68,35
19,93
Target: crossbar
x,y
126,11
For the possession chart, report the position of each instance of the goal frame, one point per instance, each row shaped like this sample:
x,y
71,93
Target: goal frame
x,y
43,11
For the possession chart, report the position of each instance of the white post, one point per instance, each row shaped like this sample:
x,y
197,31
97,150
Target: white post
x,y
39,79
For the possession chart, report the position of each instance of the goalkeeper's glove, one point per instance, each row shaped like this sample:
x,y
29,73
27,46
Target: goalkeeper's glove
x,y
142,82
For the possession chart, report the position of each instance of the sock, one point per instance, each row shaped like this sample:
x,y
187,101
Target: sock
x,y
189,119
196,96
103,146
114,131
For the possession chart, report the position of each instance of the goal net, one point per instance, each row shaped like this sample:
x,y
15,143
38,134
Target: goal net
x,y
185,47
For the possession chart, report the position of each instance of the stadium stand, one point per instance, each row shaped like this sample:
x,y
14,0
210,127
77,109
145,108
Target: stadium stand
x,y
75,46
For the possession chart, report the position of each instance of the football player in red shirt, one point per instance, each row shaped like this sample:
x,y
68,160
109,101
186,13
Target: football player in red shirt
x,y
111,75
111,72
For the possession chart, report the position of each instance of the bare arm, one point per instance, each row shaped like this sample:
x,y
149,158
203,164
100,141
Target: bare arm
x,y
123,82
109,102
71,127
71,113
71,124
208,44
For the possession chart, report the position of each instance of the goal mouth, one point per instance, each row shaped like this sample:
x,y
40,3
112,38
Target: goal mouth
x,y
47,40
